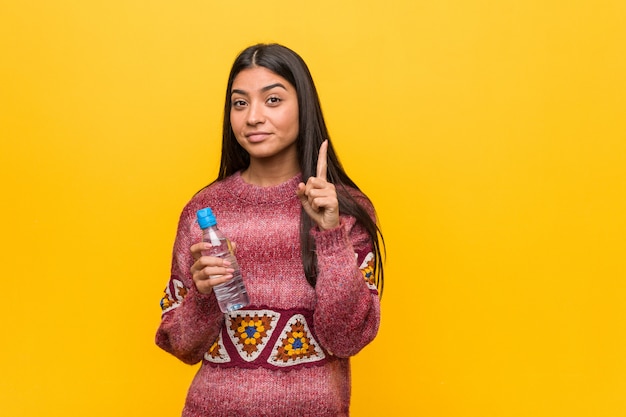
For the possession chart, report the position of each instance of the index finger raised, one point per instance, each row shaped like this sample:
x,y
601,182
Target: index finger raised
x,y
322,160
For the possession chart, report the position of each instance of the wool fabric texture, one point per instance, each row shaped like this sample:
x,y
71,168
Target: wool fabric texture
x,y
288,352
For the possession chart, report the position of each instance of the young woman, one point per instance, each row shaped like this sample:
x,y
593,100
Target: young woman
x,y
307,245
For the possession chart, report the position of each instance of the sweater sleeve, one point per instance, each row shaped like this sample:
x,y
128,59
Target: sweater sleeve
x,y
347,313
191,321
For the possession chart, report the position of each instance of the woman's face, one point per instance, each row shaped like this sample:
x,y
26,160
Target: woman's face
x,y
264,114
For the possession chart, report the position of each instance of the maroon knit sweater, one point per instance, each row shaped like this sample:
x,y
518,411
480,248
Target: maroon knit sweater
x,y
287,353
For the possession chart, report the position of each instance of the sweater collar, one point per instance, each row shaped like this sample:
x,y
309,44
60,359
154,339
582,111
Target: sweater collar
x,y
256,194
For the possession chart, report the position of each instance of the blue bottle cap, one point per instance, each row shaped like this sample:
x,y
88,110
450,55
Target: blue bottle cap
x,y
206,218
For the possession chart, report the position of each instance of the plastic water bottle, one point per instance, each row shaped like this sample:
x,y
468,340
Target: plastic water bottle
x,y
231,295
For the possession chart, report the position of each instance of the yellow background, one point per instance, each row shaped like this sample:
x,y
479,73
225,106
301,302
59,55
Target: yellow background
x,y
490,134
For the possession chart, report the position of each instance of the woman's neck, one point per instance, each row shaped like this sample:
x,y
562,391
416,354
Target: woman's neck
x,y
267,175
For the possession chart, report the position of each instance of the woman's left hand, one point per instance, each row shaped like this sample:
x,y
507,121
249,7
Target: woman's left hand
x,y
318,196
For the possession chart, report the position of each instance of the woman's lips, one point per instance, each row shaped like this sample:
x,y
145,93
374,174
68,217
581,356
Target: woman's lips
x,y
257,136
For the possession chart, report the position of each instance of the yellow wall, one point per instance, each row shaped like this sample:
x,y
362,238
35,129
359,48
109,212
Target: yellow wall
x,y
490,134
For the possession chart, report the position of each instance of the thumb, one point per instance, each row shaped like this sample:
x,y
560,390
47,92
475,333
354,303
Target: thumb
x,y
304,200
301,195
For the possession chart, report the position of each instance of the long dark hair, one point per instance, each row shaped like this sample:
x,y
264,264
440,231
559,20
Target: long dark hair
x,y
289,65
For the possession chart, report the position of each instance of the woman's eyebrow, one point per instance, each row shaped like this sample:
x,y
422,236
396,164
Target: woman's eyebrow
x,y
264,89
269,87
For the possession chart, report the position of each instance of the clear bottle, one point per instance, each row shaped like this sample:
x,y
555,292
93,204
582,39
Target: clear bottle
x,y
231,295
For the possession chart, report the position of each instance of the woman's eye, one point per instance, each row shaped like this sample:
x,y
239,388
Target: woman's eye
x,y
273,100
238,103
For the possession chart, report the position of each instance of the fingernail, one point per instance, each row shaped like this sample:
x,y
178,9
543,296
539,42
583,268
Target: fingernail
x,y
226,263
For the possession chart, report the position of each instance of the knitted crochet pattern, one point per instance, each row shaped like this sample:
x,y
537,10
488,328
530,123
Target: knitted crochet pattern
x,y
288,352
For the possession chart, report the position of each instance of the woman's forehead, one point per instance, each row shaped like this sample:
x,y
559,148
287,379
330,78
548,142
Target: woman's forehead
x,y
259,79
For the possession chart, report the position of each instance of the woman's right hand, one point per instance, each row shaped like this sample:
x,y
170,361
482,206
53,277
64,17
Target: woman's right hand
x,y
208,271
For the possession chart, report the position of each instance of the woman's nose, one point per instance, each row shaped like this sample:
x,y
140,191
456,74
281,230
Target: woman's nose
x,y
255,114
